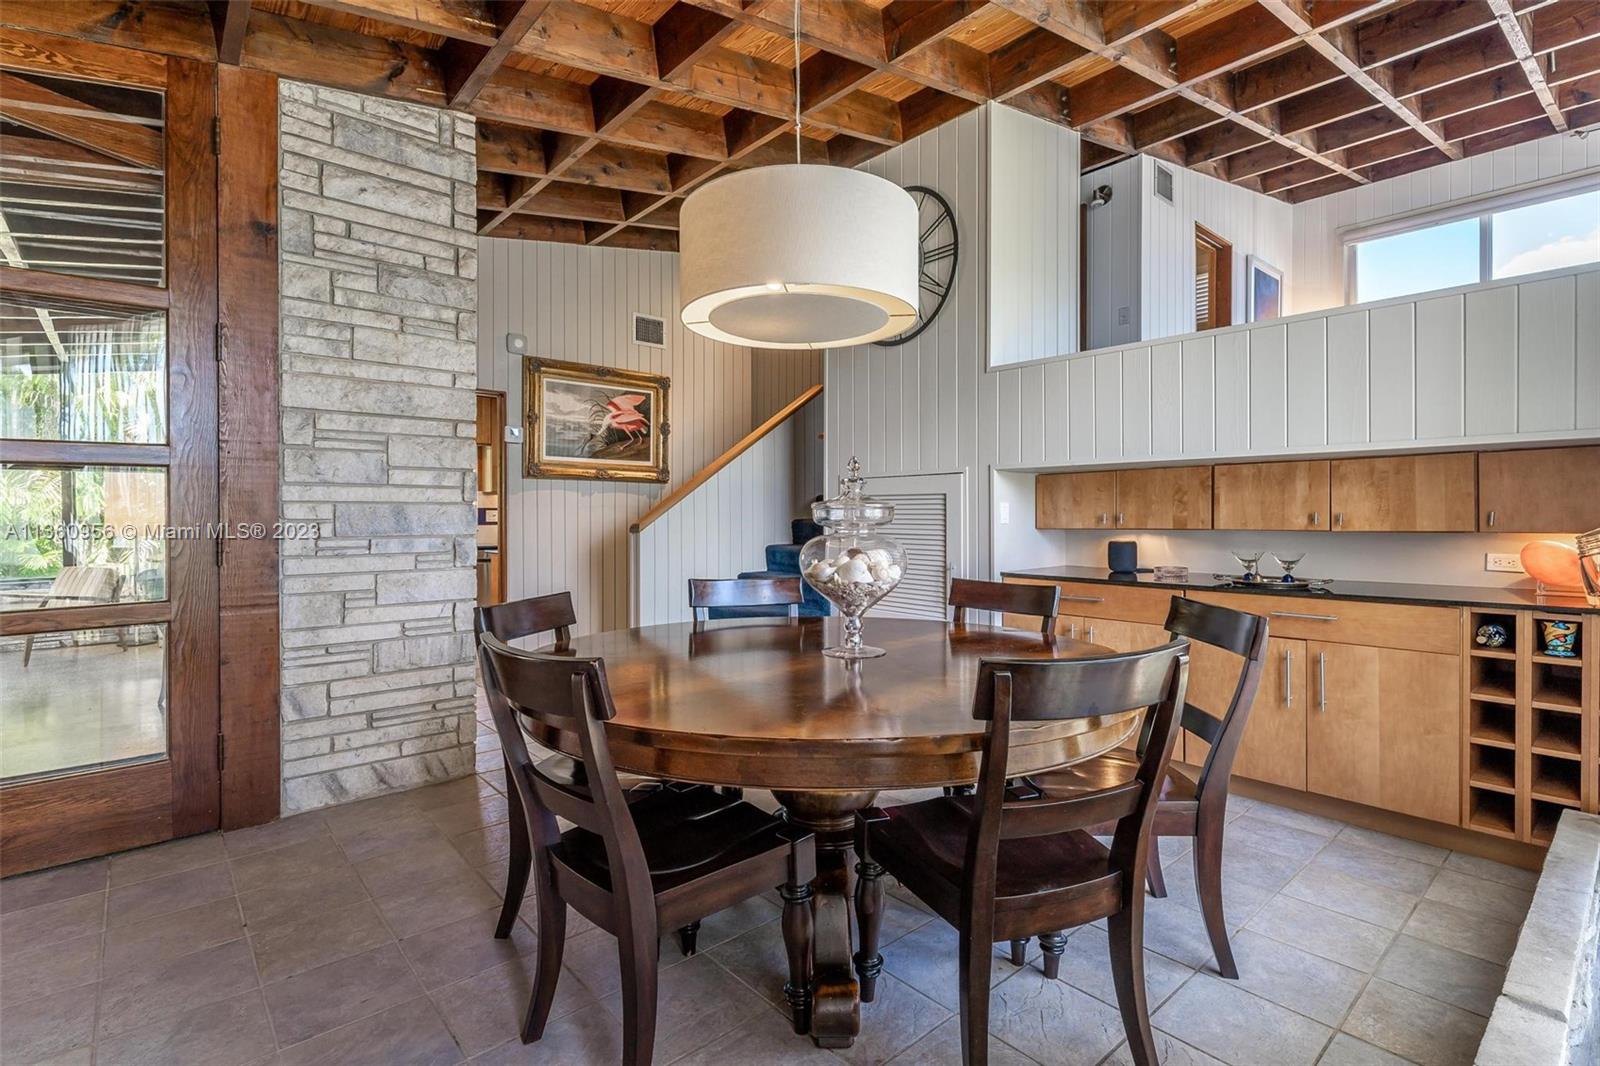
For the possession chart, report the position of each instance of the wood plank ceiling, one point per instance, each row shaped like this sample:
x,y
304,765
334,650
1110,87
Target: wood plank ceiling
x,y
596,117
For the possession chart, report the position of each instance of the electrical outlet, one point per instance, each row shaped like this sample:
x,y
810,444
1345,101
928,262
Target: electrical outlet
x,y
1005,512
1499,563
513,434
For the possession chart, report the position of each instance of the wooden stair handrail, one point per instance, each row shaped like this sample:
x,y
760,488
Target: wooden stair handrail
x,y
745,443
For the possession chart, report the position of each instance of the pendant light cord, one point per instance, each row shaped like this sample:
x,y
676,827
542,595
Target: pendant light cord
x,y
797,81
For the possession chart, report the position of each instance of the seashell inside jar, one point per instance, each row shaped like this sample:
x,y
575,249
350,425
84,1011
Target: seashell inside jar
x,y
852,565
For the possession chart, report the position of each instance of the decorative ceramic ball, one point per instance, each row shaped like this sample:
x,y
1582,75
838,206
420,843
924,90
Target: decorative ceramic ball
x,y
1553,563
1492,635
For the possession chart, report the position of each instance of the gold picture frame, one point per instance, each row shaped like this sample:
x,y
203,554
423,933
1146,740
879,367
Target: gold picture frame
x,y
593,423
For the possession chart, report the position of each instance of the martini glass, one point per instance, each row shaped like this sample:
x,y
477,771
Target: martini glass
x,y
1250,560
1288,560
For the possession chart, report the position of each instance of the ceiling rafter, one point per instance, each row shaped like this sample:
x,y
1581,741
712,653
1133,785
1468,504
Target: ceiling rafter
x,y
1532,68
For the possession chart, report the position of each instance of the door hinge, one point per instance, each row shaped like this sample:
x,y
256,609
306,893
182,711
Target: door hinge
x,y
216,135
222,751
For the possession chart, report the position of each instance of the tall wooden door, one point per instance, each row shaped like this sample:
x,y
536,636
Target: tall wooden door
x,y
108,478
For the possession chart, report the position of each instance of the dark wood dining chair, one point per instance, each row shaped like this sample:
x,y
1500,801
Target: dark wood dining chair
x,y
1188,808
966,596
529,617
706,593
634,869
998,868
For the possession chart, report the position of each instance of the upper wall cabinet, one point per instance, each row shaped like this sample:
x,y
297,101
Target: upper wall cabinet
x,y
1542,490
1272,495
1406,493
1177,497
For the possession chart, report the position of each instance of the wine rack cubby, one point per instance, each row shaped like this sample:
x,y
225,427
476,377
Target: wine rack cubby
x,y
1531,725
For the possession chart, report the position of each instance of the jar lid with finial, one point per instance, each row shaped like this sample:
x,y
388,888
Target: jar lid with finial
x,y
852,508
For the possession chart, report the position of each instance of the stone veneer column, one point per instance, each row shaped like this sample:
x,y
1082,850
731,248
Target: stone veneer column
x,y
378,306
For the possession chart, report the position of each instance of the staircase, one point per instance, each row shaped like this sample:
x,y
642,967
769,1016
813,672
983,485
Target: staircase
x,y
783,560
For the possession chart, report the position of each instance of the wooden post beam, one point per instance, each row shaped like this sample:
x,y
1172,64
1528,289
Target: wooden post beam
x,y
1517,38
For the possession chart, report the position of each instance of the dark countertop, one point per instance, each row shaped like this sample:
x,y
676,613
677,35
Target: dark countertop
x,y
1373,591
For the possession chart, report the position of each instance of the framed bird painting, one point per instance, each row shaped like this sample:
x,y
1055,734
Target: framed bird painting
x,y
593,422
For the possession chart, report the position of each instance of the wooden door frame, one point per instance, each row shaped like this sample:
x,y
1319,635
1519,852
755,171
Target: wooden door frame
x,y
1222,281
498,396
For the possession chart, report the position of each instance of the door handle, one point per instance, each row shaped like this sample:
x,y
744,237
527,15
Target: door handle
x,y
1119,519
1085,599
1491,519
1072,631
1322,682
1288,679
1102,518
1316,518
1338,519
1091,633
1306,617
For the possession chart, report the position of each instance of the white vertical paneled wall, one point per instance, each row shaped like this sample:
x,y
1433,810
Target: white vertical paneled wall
x,y
1254,224
1033,238
1112,234
1315,278
576,303
1513,361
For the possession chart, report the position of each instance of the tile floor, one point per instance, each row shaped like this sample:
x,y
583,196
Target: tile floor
x,y
363,934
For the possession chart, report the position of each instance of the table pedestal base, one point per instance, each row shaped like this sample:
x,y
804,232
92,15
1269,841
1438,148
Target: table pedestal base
x,y
836,1002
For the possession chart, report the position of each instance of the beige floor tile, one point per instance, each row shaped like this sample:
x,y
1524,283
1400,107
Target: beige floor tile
x,y
436,903
1086,965
929,960
1054,1022
1474,934
586,1037
172,857
1490,870
696,1002
164,895
1176,931
451,793
728,923
49,969
1291,977
311,1003
939,1048
412,1033
1390,871
1393,845
318,938
1225,1021
486,1009
1414,1026
1346,1050
285,901
593,957
401,832
1261,866
282,833
897,1017
1170,1050
492,843
235,1030
1337,891
144,996
1275,837
401,871
1302,820
50,923
45,1028
50,886
156,941
1450,976
1350,941
456,951
268,869
1241,897
345,816
758,959
473,813
1504,902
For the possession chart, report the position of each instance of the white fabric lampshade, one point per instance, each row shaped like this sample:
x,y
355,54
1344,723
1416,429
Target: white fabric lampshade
x,y
798,256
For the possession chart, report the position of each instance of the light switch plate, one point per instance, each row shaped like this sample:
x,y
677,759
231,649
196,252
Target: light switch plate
x,y
513,434
1005,512
516,344
1503,563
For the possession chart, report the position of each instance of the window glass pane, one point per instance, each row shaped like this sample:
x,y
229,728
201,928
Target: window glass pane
x,y
81,183
1437,257
75,536
1547,236
77,371
82,699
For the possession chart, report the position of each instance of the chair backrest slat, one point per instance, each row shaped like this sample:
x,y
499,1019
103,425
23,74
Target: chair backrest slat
x,y
524,618
1038,817
1042,601
1241,634
709,592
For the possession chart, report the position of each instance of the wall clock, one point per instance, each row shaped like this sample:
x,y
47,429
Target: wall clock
x,y
938,245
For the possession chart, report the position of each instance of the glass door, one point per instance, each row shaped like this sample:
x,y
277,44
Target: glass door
x,y
108,429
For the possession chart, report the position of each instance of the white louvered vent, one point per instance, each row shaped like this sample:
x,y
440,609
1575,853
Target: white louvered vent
x,y
1163,183
649,331
1202,301
920,526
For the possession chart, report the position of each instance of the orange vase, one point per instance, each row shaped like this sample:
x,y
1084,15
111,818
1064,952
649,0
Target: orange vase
x,y
1553,564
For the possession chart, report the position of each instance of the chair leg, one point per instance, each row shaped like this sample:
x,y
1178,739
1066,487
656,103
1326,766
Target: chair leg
x,y
1054,945
869,917
637,953
1153,873
518,863
1208,886
977,953
797,941
552,941
687,936
1019,951
1126,929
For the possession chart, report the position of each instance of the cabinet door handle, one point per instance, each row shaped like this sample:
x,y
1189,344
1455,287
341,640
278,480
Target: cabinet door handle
x,y
1491,518
1288,679
1338,519
1307,617
1085,599
1091,633
1072,631
1322,682
1101,519
1119,519
1316,518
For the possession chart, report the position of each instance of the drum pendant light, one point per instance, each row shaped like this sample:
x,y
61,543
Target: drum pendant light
x,y
798,255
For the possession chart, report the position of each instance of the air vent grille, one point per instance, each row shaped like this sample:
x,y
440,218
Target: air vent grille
x,y
1164,183
650,331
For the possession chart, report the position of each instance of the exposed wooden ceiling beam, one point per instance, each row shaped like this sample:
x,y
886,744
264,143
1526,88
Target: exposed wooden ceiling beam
x,y
1414,27
229,20
468,66
1517,38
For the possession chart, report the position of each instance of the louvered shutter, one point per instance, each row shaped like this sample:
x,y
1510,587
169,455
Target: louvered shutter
x,y
920,525
1202,301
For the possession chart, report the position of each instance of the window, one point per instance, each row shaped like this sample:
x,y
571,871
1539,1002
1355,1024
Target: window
x,y
1523,236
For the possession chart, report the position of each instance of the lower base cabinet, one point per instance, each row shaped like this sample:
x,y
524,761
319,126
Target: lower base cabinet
x,y
1274,745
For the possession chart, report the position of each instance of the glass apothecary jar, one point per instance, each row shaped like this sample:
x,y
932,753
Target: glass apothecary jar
x,y
852,565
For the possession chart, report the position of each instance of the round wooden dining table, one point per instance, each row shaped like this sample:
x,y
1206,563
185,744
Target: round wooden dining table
x,y
757,705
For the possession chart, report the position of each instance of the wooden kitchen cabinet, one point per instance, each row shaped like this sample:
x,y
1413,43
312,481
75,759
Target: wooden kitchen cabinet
x,y
1406,493
1384,728
1271,496
1075,501
1540,490
1274,744
1164,497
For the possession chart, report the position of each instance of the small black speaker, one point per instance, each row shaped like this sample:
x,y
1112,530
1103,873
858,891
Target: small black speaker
x,y
1123,556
